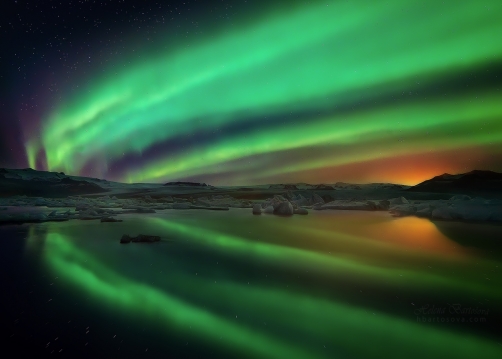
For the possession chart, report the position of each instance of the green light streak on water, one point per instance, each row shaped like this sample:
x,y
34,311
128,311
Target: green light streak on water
x,y
310,260
346,327
106,285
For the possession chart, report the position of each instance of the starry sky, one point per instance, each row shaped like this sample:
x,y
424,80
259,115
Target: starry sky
x,y
252,92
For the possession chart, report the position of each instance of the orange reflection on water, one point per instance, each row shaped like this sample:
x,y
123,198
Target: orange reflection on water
x,y
372,230
413,232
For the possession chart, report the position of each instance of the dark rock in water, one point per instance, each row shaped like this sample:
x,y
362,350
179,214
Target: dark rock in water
x,y
145,210
315,199
268,210
141,238
257,209
300,211
384,204
323,187
284,209
89,218
398,201
109,219
203,201
381,205
125,239
283,186
301,201
210,208
327,198
402,210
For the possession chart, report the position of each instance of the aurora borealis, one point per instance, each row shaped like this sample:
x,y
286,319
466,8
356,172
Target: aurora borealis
x,y
321,91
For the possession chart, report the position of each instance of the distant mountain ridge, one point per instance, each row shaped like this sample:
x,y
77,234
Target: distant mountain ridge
x,y
43,183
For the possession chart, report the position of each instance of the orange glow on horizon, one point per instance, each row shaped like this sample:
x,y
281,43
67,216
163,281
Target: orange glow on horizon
x,y
405,169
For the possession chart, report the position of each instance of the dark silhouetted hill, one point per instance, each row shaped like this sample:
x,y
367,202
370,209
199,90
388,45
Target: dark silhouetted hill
x,y
29,182
473,182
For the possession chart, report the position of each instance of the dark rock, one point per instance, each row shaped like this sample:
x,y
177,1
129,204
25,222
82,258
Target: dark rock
x,y
110,219
398,201
125,239
323,187
301,211
202,202
315,199
284,186
402,210
301,201
145,210
327,198
384,204
210,208
268,209
284,209
88,218
141,238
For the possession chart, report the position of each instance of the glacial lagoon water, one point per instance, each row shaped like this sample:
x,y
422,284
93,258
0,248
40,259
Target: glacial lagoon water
x,y
332,284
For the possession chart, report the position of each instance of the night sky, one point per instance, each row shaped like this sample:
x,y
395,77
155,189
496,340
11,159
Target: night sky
x,y
252,92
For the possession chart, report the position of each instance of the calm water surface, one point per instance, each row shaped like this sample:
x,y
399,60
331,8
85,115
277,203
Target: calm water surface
x,y
333,284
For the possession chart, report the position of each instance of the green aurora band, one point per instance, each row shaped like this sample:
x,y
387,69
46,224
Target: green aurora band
x,y
307,59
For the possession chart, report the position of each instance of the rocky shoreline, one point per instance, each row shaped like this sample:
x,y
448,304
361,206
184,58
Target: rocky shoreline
x,y
459,207
105,208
